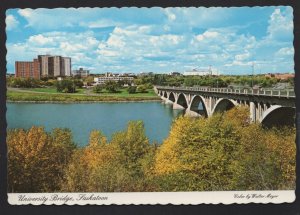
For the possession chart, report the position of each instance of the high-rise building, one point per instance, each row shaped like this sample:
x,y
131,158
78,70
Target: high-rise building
x,y
44,65
49,66
65,66
27,69
54,66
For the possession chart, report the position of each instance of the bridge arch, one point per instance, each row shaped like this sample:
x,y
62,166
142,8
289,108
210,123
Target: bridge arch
x,y
278,115
182,101
223,105
197,105
172,97
165,94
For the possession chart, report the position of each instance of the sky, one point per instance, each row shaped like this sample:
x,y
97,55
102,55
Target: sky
x,y
159,40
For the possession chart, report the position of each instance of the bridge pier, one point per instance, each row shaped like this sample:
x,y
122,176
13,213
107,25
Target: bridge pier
x,y
191,113
177,106
168,102
252,112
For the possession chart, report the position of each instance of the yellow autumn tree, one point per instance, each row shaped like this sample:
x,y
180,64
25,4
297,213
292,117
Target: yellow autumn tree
x,y
95,168
266,159
136,154
224,152
35,160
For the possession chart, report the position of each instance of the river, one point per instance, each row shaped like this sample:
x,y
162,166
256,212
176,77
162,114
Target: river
x,y
83,118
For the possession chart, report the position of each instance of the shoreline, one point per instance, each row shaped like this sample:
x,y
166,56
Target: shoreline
x,y
82,102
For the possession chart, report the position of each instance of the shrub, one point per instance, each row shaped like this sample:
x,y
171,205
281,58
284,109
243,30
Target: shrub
x,y
65,86
131,89
142,89
97,89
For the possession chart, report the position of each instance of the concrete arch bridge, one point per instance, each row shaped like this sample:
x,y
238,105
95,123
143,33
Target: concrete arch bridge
x,y
267,106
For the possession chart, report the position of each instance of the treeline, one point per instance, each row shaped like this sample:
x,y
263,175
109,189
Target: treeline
x,y
211,81
68,84
224,152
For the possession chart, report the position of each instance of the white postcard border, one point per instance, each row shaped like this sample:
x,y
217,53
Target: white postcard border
x,y
163,198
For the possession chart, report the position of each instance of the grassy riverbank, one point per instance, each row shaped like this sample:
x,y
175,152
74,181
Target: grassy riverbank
x,y
37,96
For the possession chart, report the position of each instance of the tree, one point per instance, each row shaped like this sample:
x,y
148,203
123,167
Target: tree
x,y
78,83
220,153
97,139
96,168
36,159
66,86
266,162
97,89
89,80
135,154
131,89
111,86
133,144
142,89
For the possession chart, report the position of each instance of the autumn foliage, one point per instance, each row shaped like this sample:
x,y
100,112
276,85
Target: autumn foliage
x,y
223,152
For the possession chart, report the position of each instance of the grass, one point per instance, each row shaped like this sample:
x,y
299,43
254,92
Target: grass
x,y
124,93
35,96
50,90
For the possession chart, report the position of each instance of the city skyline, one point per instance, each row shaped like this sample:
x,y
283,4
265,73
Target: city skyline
x,y
136,40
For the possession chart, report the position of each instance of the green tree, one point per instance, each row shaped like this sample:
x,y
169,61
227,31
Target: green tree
x,y
111,86
131,89
89,80
78,83
135,154
97,89
65,86
142,88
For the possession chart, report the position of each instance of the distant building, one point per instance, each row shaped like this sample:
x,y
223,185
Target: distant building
x,y
55,66
145,74
280,76
200,73
27,69
81,72
44,65
196,72
49,66
103,79
65,66
175,73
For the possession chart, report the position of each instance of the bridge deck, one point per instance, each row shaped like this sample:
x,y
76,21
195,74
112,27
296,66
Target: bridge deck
x,y
288,93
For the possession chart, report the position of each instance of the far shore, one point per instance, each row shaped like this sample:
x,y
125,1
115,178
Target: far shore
x,y
83,102
33,96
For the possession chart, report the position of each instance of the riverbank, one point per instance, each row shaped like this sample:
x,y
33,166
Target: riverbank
x,y
81,102
38,97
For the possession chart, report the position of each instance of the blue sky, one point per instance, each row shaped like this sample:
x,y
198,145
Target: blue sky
x,y
159,40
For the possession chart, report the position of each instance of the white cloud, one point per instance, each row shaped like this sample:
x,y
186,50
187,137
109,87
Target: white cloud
x,y
281,24
171,16
287,51
41,40
27,13
11,22
241,57
207,35
156,43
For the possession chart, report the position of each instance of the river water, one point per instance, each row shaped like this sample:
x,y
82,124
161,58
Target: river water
x,y
83,118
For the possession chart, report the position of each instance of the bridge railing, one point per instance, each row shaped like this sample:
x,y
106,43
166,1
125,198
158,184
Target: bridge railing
x,y
261,92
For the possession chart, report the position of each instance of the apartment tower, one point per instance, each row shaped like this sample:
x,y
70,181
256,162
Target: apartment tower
x,y
65,66
27,69
44,65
